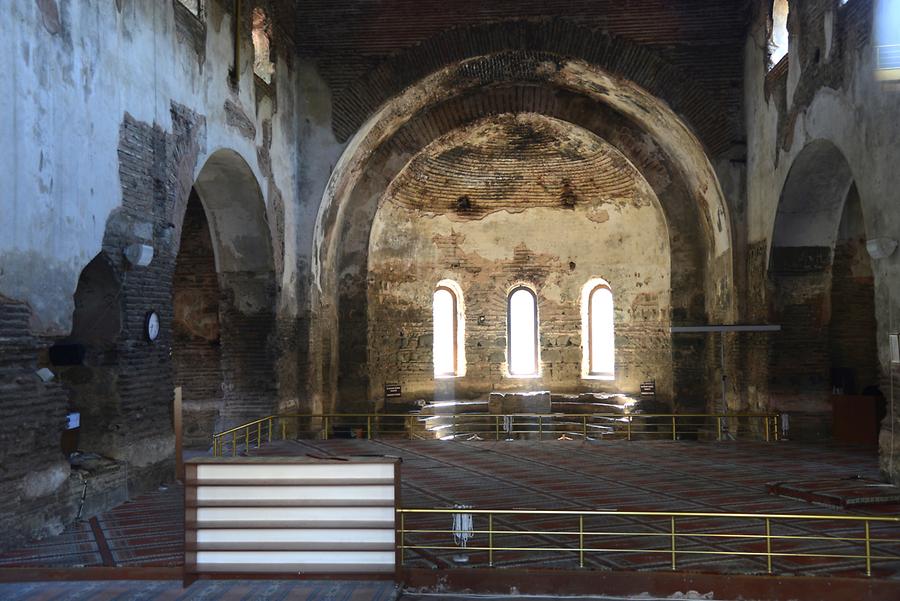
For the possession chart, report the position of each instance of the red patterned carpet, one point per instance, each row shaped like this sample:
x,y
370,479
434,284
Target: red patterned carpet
x,y
146,531
629,476
559,475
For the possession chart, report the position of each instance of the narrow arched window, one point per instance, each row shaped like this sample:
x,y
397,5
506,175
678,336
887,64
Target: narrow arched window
x,y
601,332
778,38
522,334
446,329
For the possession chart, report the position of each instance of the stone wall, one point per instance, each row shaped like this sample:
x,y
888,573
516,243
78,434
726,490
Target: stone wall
x,y
544,205
196,329
825,94
111,112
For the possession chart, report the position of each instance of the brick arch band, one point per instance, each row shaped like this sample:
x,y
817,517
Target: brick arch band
x,y
655,140
616,55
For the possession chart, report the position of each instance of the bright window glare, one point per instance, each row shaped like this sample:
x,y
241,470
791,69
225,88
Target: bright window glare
x,y
444,333
602,332
522,333
778,45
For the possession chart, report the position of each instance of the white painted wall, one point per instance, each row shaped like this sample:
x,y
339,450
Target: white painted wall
x,y
62,101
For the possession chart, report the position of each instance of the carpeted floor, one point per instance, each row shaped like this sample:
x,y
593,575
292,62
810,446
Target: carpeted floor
x,y
570,475
211,590
146,531
651,476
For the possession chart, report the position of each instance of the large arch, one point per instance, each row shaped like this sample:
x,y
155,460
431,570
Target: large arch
x,y
642,127
822,283
513,199
233,214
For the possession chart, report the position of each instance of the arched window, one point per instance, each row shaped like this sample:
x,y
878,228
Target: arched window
x,y
778,40
600,330
522,334
263,66
449,325
194,6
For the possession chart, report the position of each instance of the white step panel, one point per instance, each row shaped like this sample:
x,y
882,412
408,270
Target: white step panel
x,y
303,471
296,535
221,515
294,493
234,560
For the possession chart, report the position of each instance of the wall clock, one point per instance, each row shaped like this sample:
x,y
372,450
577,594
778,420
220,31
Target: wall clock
x,y
151,326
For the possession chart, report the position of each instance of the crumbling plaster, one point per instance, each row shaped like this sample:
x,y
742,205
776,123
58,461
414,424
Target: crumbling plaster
x,y
108,116
357,181
60,112
861,118
520,170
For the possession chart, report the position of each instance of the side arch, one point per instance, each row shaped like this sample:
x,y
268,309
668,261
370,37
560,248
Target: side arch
x,y
234,213
822,292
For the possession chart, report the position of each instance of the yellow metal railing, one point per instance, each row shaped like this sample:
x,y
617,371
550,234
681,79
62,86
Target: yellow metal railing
x,y
678,537
633,426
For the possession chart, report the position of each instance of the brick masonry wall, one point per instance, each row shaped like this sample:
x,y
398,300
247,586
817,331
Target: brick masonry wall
x,y
368,52
853,328
32,418
196,351
548,208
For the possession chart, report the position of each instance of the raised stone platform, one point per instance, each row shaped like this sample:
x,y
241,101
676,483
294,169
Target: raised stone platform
x,y
504,403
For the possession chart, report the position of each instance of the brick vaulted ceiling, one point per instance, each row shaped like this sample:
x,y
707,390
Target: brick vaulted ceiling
x,y
510,163
703,38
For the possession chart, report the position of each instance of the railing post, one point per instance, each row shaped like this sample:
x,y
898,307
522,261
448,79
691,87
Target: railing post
x,y
402,531
868,551
491,539
673,428
258,434
369,427
673,543
234,444
581,540
271,421
247,439
766,422
215,446
326,421
497,424
629,427
718,428
768,543
775,424
284,429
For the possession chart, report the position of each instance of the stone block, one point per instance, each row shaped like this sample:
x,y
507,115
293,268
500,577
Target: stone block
x,y
519,402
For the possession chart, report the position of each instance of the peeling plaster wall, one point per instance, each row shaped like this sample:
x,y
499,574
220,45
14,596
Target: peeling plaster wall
x,y
829,93
109,112
550,206
640,125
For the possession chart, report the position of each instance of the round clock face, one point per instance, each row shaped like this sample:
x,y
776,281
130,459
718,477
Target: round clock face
x,y
152,326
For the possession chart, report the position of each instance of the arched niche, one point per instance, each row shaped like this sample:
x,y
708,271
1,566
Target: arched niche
x,y
640,126
517,200
234,323
822,285
87,362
